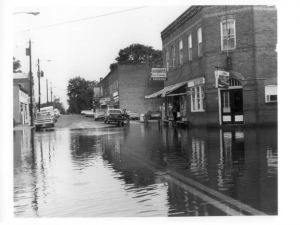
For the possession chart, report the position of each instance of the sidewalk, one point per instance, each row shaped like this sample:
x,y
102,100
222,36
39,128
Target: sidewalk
x,y
23,127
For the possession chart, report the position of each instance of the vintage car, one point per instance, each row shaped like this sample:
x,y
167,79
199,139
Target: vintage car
x,y
89,113
99,114
44,119
134,116
115,116
83,112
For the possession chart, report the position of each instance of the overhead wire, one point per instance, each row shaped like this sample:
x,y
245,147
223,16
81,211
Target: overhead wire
x,y
79,20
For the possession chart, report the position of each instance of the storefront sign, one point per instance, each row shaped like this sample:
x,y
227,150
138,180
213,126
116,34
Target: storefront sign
x,y
222,79
196,82
116,99
107,99
96,92
159,74
115,94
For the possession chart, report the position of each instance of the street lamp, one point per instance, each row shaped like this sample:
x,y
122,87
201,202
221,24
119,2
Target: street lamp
x,y
32,13
39,75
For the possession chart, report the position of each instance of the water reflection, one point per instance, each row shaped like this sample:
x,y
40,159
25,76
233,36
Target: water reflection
x,y
124,171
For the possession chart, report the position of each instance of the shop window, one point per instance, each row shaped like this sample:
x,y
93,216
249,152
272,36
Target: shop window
x,y
197,99
173,56
167,60
199,37
190,47
228,37
271,93
180,52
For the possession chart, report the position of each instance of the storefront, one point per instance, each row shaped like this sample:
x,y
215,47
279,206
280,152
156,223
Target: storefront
x,y
230,95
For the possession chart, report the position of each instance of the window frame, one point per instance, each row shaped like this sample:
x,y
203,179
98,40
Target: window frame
x,y
167,59
190,47
195,96
269,92
173,55
180,45
199,31
223,22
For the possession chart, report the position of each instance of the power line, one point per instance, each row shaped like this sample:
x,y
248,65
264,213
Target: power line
x,y
58,24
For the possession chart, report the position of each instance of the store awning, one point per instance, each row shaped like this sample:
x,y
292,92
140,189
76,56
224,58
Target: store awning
x,y
165,91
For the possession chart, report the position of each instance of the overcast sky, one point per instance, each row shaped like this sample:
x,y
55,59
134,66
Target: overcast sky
x,y
84,41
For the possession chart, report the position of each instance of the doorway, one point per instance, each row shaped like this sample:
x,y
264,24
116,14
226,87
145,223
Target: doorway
x,y
232,106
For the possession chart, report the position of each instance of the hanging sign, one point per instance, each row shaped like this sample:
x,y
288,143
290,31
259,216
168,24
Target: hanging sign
x,y
222,79
159,74
196,82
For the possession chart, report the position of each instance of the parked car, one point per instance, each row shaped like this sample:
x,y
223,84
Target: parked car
x,y
115,116
99,114
154,114
89,114
44,119
134,116
84,111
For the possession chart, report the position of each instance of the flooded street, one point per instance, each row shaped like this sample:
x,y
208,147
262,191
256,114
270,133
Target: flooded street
x,y
145,170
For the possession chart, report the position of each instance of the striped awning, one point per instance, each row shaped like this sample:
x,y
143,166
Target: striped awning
x,y
165,91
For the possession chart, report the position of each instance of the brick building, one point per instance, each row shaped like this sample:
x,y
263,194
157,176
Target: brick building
x,y
126,86
208,46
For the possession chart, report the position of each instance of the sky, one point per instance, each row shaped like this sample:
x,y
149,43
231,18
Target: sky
x,y
84,41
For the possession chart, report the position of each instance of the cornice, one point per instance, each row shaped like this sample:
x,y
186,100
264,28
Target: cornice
x,y
189,13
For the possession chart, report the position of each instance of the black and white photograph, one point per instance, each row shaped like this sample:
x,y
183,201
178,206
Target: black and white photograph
x,y
144,110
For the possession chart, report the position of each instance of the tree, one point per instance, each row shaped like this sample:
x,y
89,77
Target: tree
x,y
80,94
16,66
137,53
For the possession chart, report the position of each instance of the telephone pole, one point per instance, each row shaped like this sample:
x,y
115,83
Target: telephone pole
x,y
30,85
39,75
47,90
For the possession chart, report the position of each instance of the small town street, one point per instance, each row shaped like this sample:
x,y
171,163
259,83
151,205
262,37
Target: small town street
x,y
87,168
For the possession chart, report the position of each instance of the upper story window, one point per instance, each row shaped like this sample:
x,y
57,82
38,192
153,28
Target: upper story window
x,y
190,46
173,56
180,52
271,93
228,37
167,60
199,37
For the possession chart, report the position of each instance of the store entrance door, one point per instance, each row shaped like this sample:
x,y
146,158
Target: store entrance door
x,y
232,106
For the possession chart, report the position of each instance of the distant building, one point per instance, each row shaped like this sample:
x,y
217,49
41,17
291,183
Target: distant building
x,y
21,101
126,86
221,66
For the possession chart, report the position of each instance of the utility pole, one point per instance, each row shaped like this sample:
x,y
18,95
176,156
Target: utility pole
x,y
39,75
47,90
30,85
51,95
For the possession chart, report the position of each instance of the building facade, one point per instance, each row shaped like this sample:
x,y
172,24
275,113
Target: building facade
x,y
126,86
21,101
221,66
21,105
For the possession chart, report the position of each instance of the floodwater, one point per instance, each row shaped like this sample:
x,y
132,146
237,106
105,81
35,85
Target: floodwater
x,y
144,170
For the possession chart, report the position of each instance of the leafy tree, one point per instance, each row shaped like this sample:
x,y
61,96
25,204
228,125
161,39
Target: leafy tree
x,y
16,66
137,53
80,94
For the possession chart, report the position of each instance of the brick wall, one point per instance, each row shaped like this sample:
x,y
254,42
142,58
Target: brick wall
x,y
134,85
254,59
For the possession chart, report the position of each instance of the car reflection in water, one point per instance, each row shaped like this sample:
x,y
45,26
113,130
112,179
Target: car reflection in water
x,y
144,170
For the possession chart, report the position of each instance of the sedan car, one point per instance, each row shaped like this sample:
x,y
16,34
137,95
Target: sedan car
x,y
89,114
99,114
115,116
134,116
